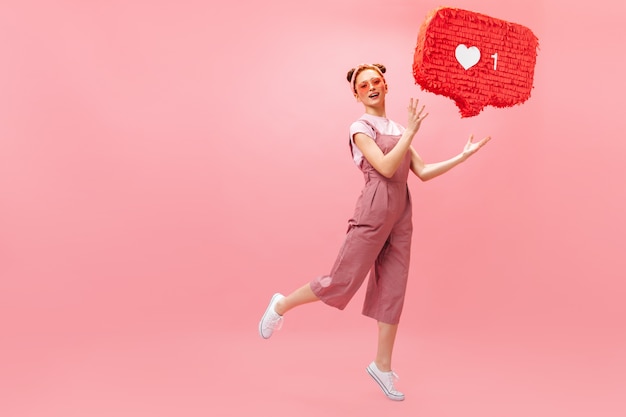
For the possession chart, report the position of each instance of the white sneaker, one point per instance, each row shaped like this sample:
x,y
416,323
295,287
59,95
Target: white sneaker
x,y
271,320
385,380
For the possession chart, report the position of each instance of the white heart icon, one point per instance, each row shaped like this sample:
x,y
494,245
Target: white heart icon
x,y
467,57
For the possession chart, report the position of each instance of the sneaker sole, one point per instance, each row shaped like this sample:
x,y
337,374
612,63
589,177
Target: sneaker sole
x,y
382,387
267,310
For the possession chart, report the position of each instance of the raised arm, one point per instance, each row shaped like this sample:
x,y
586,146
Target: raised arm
x,y
387,164
429,171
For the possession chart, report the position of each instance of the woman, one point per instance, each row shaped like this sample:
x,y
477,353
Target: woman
x,y
379,233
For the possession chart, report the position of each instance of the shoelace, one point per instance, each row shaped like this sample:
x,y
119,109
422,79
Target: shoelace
x,y
392,378
275,322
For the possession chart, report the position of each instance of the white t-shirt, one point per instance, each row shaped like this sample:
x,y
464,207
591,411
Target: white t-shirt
x,y
382,124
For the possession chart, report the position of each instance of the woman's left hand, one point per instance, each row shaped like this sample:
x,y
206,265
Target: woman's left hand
x,y
471,147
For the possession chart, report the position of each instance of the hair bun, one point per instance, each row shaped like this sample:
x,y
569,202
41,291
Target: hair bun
x,y
381,67
349,76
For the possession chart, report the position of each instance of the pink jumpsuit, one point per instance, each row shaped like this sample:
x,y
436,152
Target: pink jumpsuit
x,y
378,239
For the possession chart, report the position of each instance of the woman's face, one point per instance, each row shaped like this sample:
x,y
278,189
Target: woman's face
x,y
370,88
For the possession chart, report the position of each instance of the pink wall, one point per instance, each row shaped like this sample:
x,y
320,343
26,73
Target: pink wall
x,y
165,166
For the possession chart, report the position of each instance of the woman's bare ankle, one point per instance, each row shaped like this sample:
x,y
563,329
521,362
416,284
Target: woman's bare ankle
x,y
279,307
383,366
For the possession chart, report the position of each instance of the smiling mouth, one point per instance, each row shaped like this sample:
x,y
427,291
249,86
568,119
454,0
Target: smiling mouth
x,y
375,95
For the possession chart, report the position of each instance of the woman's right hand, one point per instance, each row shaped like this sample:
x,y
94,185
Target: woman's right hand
x,y
415,116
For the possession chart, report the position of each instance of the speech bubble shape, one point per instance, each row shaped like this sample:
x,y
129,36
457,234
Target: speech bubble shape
x,y
474,59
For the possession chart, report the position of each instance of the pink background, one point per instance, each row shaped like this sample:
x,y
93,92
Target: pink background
x,y
166,166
